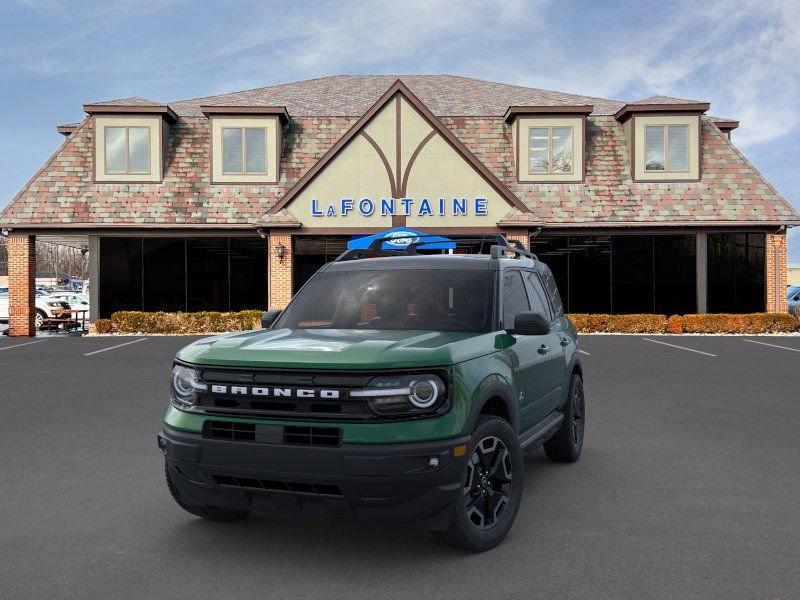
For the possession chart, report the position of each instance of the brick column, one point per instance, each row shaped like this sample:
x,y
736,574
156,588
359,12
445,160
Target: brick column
x,y
775,273
21,284
521,235
280,270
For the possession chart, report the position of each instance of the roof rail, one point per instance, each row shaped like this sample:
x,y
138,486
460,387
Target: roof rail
x,y
499,246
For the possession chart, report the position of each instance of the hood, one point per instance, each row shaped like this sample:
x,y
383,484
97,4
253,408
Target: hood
x,y
339,348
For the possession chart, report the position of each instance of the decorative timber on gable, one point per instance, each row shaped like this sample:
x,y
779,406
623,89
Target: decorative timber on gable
x,y
399,159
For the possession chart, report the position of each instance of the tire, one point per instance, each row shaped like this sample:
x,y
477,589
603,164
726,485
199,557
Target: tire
x,y
486,510
214,513
39,318
567,443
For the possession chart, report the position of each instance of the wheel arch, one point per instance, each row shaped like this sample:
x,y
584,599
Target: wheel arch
x,y
495,397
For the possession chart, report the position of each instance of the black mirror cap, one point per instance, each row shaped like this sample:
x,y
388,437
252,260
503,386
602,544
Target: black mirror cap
x,y
531,323
268,318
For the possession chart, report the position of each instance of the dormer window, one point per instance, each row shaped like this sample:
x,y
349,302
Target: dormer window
x,y
245,143
127,150
244,150
548,142
666,148
550,150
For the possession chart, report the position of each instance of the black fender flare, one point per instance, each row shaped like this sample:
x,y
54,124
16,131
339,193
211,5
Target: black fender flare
x,y
494,386
574,365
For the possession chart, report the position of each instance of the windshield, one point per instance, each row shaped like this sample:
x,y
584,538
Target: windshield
x,y
439,300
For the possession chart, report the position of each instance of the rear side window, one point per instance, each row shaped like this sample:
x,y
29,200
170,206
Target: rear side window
x,y
552,292
515,298
539,301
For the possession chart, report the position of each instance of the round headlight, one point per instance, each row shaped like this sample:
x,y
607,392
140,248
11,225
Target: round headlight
x,y
185,383
423,393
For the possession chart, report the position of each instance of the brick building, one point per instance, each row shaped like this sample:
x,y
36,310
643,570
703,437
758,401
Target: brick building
x,y
233,201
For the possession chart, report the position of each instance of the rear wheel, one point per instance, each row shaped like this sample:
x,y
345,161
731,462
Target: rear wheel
x,y
566,445
215,513
39,319
491,488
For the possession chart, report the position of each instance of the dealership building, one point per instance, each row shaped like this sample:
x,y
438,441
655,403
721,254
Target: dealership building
x,y
233,201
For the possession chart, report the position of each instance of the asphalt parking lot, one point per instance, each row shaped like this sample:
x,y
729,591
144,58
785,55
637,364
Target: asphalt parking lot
x,y
688,487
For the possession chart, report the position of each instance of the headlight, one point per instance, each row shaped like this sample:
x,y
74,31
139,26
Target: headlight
x,y
185,385
397,395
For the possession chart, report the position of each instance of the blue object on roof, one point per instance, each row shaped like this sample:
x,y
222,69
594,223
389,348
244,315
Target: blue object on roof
x,y
402,237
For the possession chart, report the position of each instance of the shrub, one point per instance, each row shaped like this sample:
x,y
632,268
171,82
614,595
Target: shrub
x,y
619,323
197,322
706,323
103,326
675,324
746,323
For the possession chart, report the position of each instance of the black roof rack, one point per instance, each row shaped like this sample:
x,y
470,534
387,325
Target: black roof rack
x,y
499,246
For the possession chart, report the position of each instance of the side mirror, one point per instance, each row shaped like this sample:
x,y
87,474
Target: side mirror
x,y
268,318
531,323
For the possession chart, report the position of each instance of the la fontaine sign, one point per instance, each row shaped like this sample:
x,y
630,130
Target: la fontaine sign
x,y
390,207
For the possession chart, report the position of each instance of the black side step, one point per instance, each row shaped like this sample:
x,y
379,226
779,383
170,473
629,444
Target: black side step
x,y
536,436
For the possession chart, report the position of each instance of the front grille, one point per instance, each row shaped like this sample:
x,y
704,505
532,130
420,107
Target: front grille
x,y
273,434
231,430
312,436
287,487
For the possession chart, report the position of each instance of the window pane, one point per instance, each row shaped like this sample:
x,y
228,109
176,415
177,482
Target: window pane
x,y
654,148
207,274
675,280
248,273
515,299
736,272
562,149
632,274
164,277
120,266
115,149
552,251
538,299
138,149
255,140
590,274
678,140
538,150
231,150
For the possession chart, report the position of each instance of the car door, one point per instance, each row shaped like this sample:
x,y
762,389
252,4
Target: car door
x,y
555,357
528,359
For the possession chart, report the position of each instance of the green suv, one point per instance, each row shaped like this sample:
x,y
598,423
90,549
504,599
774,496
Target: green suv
x,y
396,386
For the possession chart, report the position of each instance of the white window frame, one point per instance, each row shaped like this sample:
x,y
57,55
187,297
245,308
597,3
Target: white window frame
x,y
244,171
550,170
665,148
127,129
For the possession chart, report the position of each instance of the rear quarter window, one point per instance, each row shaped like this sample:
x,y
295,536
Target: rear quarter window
x,y
552,292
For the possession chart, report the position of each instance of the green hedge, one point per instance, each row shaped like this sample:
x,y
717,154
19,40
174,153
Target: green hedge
x,y
196,322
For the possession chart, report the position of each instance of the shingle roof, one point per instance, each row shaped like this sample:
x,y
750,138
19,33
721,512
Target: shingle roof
x,y
352,95
666,100
63,193
130,101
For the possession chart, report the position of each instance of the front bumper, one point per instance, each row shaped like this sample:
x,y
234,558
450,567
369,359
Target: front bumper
x,y
411,482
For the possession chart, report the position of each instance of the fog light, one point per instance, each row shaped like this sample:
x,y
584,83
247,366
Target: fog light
x,y
433,461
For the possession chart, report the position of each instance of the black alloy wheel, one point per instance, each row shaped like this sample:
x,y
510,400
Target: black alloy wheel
x,y
487,486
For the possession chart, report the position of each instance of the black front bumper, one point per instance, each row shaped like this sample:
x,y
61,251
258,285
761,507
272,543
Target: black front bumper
x,y
412,483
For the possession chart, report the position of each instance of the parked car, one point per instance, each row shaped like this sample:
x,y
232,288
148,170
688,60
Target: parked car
x,y
405,387
46,307
793,296
76,301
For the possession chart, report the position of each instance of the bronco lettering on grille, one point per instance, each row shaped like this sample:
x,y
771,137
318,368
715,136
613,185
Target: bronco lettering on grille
x,y
274,392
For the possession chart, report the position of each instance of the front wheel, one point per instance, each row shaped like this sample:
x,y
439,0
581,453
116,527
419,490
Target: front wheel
x,y
491,488
567,443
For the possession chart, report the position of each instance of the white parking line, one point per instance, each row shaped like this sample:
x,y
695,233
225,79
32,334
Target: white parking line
x,y
772,345
680,347
113,347
20,345
584,352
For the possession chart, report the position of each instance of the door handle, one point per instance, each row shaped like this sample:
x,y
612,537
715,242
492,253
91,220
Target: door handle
x,y
565,341
544,349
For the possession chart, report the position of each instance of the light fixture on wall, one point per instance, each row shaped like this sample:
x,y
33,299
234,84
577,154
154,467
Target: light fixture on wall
x,y
280,252
261,233
4,232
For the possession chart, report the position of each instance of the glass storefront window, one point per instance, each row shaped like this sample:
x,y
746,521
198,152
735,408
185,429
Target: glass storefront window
x,y
180,274
736,272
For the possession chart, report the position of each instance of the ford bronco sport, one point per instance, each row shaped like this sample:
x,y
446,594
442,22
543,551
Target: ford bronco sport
x,y
395,386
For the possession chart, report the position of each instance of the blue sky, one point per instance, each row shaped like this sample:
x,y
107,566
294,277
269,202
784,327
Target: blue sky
x,y
56,55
